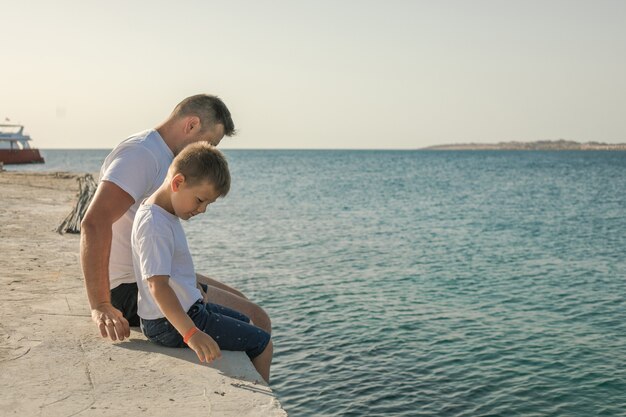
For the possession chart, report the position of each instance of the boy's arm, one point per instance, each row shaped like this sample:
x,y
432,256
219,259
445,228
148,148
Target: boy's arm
x,y
109,204
165,297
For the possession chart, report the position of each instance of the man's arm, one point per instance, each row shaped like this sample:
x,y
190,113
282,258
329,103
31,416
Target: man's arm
x,y
165,297
109,204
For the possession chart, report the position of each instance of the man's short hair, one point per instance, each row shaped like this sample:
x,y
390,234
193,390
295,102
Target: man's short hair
x,y
200,162
210,109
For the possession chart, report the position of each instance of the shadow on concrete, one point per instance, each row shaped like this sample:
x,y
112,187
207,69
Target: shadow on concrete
x,y
232,364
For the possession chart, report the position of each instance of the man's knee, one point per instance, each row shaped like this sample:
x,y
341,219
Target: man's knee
x,y
238,293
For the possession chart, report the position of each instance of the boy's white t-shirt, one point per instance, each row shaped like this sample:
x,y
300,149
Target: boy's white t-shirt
x,y
138,166
160,248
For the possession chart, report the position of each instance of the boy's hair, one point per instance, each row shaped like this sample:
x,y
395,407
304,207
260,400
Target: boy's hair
x,y
210,109
200,162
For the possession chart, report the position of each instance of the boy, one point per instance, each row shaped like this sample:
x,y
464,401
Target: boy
x,y
170,304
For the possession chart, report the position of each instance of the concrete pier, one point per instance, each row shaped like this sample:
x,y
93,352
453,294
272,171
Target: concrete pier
x,y
53,361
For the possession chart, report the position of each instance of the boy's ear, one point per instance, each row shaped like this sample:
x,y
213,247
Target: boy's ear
x,y
177,181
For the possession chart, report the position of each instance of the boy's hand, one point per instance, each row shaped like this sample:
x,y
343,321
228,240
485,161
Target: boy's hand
x,y
110,322
204,346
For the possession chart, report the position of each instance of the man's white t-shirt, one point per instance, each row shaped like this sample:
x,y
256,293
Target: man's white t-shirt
x,y
138,166
160,248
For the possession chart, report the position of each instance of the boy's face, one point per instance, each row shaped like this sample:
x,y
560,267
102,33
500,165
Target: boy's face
x,y
188,201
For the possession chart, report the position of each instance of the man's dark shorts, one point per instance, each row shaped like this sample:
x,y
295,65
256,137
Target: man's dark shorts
x,y
124,298
230,329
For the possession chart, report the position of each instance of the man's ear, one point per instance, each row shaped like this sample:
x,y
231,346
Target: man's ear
x,y
177,181
192,124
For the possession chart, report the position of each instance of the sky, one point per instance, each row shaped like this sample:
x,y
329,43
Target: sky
x,y
343,74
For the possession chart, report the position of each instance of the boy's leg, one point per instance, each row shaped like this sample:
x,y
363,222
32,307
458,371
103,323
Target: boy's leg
x,y
217,295
225,311
233,334
162,332
263,361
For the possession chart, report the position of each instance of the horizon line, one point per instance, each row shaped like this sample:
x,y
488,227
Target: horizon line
x,y
255,149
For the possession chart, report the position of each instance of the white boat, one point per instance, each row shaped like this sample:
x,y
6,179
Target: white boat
x,y
15,147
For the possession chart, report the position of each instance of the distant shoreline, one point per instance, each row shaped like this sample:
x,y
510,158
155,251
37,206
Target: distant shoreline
x,y
542,145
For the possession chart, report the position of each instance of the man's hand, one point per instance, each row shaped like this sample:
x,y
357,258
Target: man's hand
x,y
205,347
110,322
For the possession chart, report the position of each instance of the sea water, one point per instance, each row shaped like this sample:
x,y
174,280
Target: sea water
x,y
417,283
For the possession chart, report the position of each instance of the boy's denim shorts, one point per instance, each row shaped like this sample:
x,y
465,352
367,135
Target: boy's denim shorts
x,y
230,329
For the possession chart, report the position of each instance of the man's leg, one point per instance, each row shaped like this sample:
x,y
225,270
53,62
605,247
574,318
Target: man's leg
x,y
203,279
124,298
220,294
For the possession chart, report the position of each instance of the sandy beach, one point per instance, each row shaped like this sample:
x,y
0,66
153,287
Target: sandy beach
x,y
53,362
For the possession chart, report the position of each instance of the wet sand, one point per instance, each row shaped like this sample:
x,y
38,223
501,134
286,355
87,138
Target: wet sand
x,y
52,358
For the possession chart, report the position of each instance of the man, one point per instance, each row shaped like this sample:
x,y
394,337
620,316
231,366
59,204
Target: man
x,y
132,172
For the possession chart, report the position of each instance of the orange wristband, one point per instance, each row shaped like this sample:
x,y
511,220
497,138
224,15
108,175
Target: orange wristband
x,y
190,333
